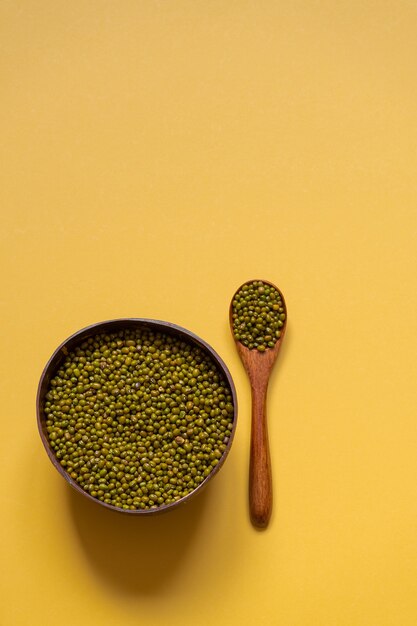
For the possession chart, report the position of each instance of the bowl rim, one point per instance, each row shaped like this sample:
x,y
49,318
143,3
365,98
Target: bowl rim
x,y
112,325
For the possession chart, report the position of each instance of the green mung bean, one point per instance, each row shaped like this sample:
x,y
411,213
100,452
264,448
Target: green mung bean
x,y
258,315
138,418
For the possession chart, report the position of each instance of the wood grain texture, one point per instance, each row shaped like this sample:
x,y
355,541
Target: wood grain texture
x,y
258,366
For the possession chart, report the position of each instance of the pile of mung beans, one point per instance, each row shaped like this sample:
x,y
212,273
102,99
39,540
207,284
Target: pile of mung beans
x,y
258,315
138,418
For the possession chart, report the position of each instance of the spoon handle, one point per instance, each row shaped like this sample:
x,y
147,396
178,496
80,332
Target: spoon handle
x,y
260,476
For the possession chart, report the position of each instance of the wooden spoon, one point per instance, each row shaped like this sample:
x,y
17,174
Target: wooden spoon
x,y
258,366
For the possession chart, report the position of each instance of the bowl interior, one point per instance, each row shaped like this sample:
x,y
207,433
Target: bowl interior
x,y
110,326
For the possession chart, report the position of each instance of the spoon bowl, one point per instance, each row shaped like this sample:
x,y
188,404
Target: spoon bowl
x,y
258,366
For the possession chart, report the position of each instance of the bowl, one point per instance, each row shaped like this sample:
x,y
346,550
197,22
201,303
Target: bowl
x,y
111,326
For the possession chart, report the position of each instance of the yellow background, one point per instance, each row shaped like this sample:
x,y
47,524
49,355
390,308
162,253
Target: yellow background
x,y
154,156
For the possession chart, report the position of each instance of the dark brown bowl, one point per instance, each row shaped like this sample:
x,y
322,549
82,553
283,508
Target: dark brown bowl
x,y
110,326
